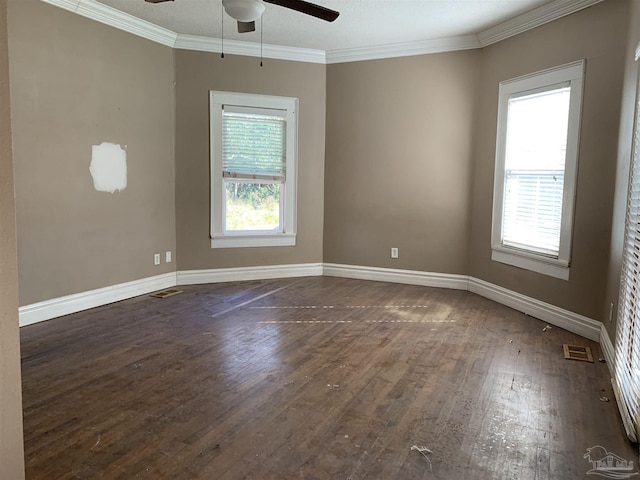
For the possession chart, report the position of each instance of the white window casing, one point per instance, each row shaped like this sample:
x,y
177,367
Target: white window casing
x,y
626,379
530,192
280,115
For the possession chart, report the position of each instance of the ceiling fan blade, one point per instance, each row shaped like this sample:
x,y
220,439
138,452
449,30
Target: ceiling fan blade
x,y
308,8
158,1
244,27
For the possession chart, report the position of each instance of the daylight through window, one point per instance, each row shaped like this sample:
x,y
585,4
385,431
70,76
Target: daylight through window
x,y
254,169
253,147
534,170
538,125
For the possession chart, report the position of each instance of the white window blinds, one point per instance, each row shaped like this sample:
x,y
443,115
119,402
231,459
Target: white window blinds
x,y
627,363
536,144
253,144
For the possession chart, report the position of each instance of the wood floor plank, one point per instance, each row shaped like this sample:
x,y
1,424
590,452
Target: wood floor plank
x,y
313,378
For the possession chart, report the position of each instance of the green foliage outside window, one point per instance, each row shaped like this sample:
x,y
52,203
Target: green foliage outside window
x,y
252,206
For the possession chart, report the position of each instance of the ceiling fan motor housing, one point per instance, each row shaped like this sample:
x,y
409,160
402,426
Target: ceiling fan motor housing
x,y
244,10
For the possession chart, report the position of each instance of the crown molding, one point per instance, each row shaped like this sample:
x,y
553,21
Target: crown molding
x,y
532,19
136,26
117,19
248,49
451,44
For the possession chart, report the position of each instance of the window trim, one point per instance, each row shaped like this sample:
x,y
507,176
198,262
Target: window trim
x,y
219,237
627,359
558,267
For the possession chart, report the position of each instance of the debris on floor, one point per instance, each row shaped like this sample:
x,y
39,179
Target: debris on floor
x,y
602,360
577,352
423,451
604,399
548,327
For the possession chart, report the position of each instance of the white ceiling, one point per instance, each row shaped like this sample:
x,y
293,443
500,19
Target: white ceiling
x,y
362,23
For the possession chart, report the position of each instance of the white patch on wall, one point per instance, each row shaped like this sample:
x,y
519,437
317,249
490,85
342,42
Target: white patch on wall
x,y
108,167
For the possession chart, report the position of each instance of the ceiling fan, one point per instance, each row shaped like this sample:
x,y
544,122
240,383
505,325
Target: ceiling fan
x,y
246,12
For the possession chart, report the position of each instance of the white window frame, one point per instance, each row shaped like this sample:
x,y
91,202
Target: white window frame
x,y
626,378
228,239
554,266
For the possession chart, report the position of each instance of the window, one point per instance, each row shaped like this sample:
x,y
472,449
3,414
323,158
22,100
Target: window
x,y
253,170
626,380
536,166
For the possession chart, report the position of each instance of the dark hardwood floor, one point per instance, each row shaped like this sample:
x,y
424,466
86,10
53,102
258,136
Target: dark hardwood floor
x,y
314,378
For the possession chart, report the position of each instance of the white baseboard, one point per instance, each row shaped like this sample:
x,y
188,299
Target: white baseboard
x,y
408,277
57,307
77,302
546,312
624,413
217,275
608,349
559,317
609,355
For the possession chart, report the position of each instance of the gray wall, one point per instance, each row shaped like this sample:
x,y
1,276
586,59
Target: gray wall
x,y
77,83
11,450
410,147
400,161
597,34
409,154
196,74
625,141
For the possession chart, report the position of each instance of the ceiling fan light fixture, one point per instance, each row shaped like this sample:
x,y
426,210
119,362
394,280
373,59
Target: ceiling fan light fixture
x,y
244,10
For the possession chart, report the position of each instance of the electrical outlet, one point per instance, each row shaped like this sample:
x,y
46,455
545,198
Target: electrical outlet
x,y
156,259
394,252
167,257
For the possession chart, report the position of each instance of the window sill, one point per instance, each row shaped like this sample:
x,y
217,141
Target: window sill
x,y
240,241
543,265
